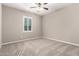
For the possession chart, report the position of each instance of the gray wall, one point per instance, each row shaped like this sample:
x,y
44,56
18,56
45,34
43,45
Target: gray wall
x,y
0,21
12,25
63,24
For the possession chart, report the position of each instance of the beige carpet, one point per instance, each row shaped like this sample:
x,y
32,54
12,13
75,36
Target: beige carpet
x,y
39,47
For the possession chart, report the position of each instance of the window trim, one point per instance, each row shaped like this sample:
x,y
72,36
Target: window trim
x,y
31,23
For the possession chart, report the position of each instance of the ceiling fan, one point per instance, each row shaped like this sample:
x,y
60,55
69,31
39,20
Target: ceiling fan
x,y
40,5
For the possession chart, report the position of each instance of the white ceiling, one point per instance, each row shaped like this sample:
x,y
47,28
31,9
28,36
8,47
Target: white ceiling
x,y
26,7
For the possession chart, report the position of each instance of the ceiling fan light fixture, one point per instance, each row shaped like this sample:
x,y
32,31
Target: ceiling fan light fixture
x,y
40,9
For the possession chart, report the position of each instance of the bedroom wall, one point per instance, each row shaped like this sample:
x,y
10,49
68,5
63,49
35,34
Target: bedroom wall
x,y
0,23
63,24
12,25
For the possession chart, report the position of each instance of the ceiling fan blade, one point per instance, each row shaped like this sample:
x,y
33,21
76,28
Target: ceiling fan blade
x,y
45,3
45,8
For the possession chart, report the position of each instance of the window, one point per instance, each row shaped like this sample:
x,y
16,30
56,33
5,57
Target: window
x,y
27,24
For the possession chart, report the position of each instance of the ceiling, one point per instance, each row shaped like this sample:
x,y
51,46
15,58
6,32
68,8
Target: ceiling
x,y
26,7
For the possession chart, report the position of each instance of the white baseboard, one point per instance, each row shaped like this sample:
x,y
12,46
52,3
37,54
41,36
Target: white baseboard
x,y
62,41
20,40
39,38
